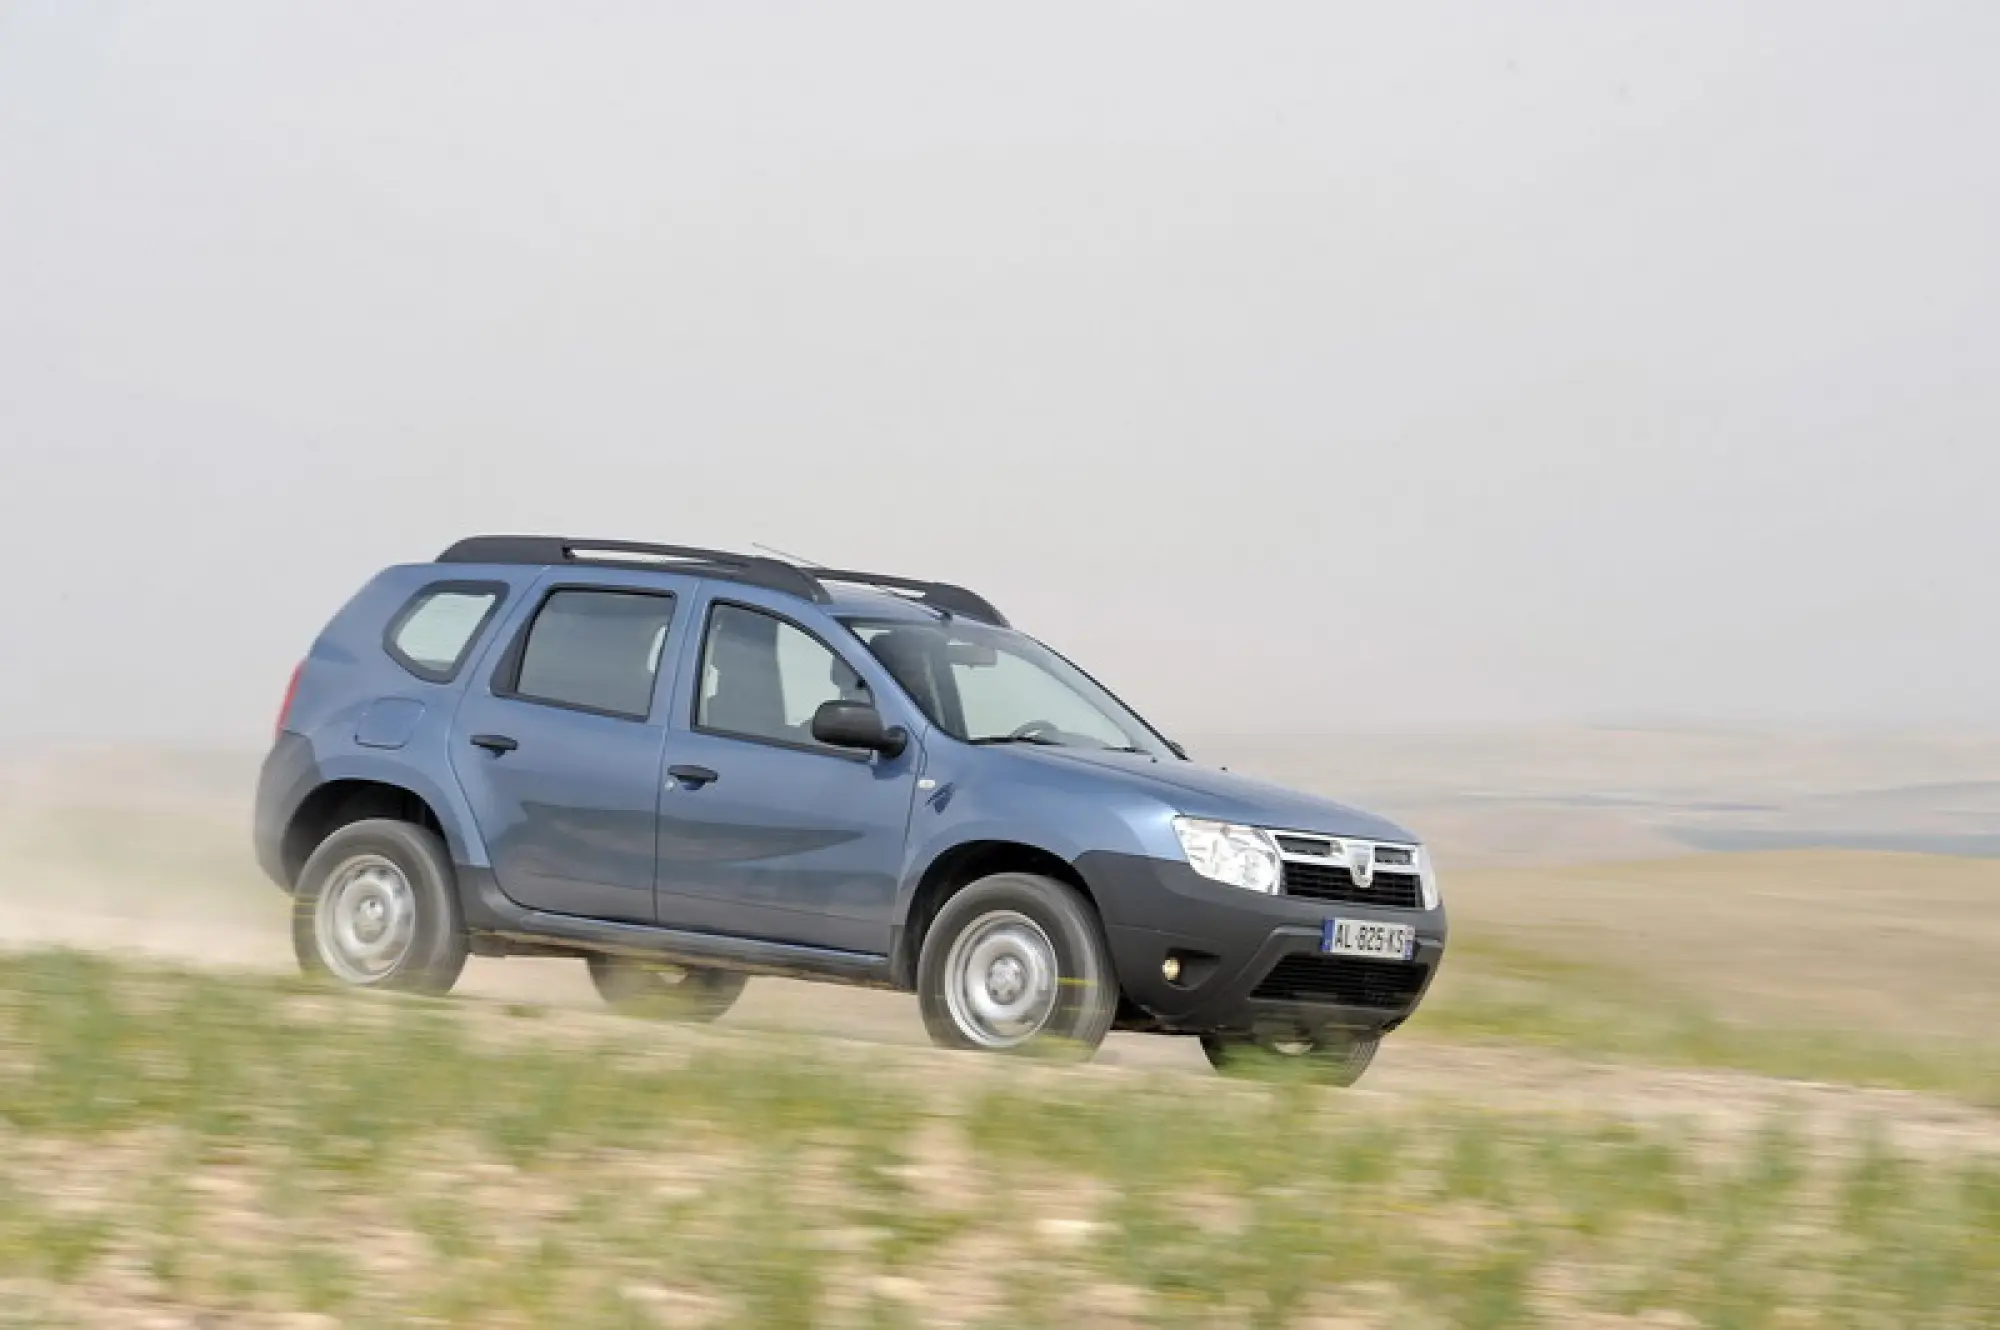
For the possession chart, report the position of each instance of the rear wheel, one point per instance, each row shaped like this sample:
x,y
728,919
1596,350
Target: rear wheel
x,y
1014,962
376,907
1332,1056
646,988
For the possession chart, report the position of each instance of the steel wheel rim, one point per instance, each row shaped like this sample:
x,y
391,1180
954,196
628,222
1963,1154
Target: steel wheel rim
x,y
1000,980
1302,1044
365,921
641,981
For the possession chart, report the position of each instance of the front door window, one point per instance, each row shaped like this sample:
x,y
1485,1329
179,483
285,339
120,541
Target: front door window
x,y
763,678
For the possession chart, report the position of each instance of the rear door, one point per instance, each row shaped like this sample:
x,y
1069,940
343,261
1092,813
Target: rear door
x,y
765,832
559,746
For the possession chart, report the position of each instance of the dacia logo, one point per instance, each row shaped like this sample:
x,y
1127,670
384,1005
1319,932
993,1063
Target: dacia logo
x,y
1361,862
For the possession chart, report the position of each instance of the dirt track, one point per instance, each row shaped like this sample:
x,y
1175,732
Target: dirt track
x,y
1410,1069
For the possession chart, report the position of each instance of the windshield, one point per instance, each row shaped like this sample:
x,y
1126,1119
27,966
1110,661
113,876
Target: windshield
x,y
990,685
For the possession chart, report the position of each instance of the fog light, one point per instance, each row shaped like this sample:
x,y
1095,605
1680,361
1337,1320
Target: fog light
x,y
1170,969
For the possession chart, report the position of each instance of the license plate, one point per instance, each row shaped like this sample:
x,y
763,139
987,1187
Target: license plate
x,y
1362,937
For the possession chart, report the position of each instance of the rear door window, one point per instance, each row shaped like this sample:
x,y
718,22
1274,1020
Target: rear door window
x,y
594,650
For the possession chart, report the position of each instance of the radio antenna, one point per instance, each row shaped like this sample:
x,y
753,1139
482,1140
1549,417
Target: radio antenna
x,y
769,549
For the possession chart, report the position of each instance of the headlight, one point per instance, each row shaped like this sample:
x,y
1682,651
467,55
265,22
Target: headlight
x,y
1427,876
1240,856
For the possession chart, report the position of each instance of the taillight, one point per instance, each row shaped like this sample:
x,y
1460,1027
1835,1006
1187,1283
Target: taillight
x,y
285,707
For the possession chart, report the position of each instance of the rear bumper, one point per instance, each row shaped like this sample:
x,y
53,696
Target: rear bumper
x,y
286,778
1248,961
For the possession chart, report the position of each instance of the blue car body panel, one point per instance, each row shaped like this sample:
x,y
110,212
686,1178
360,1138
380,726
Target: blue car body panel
x,y
786,844
567,818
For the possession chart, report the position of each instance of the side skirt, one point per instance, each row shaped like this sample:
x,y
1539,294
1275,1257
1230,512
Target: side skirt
x,y
500,927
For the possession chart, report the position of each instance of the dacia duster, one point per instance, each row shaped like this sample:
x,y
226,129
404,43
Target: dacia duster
x,y
685,767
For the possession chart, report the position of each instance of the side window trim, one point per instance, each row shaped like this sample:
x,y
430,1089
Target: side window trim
x,y
423,596
701,668
504,681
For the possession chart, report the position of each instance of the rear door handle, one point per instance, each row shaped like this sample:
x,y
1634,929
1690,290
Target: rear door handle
x,y
695,776
495,743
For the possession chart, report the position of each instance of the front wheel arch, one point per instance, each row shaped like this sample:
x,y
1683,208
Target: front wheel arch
x,y
957,867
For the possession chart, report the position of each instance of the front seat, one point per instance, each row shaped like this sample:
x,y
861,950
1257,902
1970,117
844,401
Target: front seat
x,y
848,686
749,697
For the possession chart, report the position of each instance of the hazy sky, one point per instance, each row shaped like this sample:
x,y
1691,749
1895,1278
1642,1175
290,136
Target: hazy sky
x,y
1310,365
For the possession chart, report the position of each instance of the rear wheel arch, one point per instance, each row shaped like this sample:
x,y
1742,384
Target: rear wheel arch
x,y
959,867
343,802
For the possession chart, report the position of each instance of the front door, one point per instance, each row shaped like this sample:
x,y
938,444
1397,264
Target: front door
x,y
764,832
560,751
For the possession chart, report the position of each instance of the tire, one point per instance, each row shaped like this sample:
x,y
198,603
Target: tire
x,y
1330,1057
377,907
686,993
1037,949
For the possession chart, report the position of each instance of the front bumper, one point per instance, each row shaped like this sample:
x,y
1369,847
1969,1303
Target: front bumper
x,y
1248,961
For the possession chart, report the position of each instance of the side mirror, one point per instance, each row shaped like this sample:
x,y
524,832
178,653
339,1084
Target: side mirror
x,y
857,725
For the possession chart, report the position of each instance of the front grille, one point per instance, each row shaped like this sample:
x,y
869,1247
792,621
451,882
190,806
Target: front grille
x,y
1333,882
1347,981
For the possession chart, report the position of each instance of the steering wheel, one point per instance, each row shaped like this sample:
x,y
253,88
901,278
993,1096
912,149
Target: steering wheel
x,y
1044,728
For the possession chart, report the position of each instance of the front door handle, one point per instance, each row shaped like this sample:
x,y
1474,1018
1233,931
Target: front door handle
x,y
495,743
695,776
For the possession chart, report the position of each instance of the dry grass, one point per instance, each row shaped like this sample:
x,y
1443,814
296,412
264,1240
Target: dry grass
x,y
191,1150
1896,946
187,1150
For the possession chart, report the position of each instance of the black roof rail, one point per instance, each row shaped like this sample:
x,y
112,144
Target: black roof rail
x,y
753,569
953,600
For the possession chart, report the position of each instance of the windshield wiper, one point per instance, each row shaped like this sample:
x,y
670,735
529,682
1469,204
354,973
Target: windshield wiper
x,y
1043,741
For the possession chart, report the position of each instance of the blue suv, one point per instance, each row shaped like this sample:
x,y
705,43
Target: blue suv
x,y
685,767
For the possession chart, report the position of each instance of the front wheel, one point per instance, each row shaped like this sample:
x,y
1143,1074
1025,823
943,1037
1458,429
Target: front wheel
x,y
1332,1057
686,993
1015,962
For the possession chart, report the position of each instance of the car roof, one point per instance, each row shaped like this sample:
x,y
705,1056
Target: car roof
x,y
855,603
818,585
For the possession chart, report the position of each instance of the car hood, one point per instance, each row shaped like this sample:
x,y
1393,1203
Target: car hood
x,y
1200,791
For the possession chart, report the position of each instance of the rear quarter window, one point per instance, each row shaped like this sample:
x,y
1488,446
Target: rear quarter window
x,y
435,630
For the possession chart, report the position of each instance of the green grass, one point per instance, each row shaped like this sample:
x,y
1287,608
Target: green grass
x,y
244,1146
1498,991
